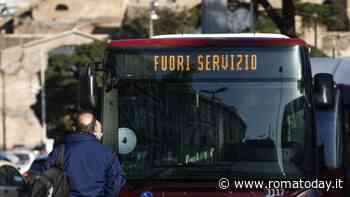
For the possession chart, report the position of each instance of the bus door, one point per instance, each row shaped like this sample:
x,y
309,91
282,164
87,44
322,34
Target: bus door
x,y
334,133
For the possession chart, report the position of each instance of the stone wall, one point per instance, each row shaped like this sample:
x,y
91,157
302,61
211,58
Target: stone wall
x,y
335,44
55,16
175,4
21,65
10,40
21,125
332,43
70,11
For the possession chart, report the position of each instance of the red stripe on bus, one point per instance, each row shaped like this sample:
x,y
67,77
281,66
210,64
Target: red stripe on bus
x,y
191,42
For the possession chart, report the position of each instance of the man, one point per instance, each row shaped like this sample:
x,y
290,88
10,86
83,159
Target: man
x,y
92,169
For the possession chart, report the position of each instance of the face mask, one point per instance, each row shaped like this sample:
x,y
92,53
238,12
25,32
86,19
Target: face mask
x,y
99,135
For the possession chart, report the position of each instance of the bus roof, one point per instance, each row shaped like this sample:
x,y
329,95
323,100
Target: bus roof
x,y
234,35
197,40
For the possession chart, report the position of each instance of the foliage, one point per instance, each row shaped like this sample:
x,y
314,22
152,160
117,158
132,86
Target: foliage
x,y
329,14
136,27
333,14
311,12
317,53
264,24
62,86
182,22
284,19
169,22
88,53
341,18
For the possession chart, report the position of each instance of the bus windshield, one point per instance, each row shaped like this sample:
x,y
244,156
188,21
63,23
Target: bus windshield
x,y
205,113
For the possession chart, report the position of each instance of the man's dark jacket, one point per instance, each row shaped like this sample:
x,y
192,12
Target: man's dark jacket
x,y
92,169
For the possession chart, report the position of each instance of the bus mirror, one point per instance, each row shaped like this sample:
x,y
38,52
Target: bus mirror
x,y
127,140
86,88
324,90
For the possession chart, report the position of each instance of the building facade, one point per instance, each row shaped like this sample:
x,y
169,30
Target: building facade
x,y
173,4
21,67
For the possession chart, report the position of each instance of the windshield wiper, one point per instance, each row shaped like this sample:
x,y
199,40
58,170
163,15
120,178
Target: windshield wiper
x,y
206,173
162,169
221,169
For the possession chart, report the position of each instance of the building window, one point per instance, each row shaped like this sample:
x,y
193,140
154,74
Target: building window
x,y
61,7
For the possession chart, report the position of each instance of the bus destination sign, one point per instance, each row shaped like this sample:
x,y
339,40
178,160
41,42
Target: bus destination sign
x,y
204,62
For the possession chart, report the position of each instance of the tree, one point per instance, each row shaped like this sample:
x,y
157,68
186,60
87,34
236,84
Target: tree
x,y
340,13
333,14
317,53
284,21
62,86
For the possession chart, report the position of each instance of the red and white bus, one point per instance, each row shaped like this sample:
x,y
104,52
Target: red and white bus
x,y
185,111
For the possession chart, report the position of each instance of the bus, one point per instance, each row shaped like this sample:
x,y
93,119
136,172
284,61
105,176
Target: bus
x,y
333,122
185,111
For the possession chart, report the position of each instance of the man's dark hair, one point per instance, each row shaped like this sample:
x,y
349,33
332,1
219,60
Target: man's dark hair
x,y
86,125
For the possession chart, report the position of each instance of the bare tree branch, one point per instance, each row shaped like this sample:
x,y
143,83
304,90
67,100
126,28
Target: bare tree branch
x,y
288,17
286,22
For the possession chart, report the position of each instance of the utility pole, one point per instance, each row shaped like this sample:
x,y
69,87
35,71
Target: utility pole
x,y
252,21
43,98
315,30
3,111
152,16
4,134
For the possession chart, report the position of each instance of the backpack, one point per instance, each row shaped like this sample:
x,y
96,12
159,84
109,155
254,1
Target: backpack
x,y
53,182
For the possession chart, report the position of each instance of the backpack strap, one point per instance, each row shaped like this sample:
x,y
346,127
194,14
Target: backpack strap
x,y
60,161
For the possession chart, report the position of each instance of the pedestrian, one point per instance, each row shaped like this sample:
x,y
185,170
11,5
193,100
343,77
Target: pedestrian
x,y
91,168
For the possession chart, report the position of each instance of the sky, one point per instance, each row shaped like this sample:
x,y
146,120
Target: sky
x,y
338,67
